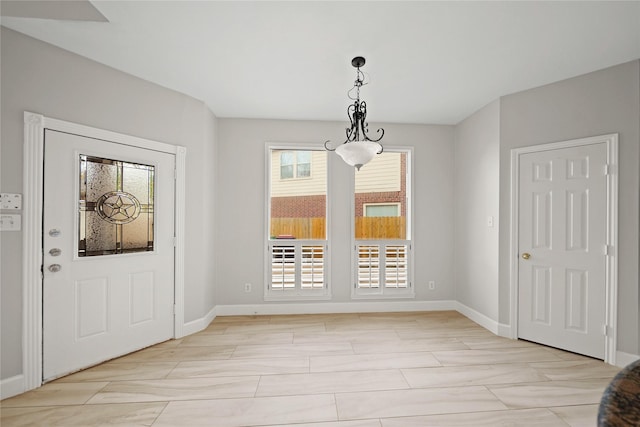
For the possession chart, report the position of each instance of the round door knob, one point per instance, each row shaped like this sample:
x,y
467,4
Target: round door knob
x,y
54,268
526,256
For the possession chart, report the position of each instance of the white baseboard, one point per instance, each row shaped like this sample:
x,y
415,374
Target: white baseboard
x,y
327,308
482,320
199,324
623,359
12,386
505,330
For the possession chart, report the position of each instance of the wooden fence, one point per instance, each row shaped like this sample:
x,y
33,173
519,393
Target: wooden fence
x,y
299,228
390,227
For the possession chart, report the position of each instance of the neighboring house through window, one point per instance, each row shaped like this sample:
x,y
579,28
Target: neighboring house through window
x,y
297,218
295,164
382,228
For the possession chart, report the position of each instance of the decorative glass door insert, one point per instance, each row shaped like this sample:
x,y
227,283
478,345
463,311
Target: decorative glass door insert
x,y
115,207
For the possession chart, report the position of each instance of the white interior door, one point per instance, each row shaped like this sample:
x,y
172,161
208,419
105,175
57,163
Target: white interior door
x,y
562,237
108,251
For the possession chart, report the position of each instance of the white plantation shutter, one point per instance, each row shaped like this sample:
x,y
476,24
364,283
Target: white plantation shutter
x,y
312,268
368,266
395,267
383,268
298,268
283,267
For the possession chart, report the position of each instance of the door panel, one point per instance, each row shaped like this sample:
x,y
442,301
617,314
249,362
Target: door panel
x,y
108,277
562,226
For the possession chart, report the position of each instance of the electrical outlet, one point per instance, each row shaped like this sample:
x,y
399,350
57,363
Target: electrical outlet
x,y
432,285
247,287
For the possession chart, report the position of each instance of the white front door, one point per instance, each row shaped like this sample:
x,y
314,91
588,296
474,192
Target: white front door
x,y
108,251
562,237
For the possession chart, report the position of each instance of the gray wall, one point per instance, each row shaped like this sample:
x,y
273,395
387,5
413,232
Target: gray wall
x,y
602,102
41,78
477,178
241,204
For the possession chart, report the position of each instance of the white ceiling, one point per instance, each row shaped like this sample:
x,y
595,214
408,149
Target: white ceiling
x,y
428,62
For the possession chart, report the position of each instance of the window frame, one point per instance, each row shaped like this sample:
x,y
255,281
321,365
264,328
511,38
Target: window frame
x,y
366,205
297,293
383,292
294,165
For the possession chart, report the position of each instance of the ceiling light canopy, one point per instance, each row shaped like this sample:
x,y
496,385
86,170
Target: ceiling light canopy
x,y
358,149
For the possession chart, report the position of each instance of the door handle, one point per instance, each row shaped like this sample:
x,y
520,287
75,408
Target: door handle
x,y
54,268
526,256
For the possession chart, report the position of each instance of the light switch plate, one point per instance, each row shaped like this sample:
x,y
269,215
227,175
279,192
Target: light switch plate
x,y
10,222
10,201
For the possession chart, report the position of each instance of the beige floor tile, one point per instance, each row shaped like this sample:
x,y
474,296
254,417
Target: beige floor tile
x,y
56,394
511,418
291,350
565,355
309,361
372,361
489,342
503,355
330,382
169,344
128,414
455,376
355,423
249,412
122,372
239,367
178,354
409,345
386,404
345,336
576,369
200,340
296,319
578,416
551,393
270,328
176,389
442,330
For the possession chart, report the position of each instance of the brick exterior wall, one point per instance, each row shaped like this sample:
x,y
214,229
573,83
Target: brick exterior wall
x,y
315,206
299,207
386,197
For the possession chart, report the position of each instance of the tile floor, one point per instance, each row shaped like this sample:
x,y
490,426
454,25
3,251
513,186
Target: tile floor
x,y
339,370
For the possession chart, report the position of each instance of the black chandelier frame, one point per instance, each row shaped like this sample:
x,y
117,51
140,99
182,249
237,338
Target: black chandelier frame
x,y
357,112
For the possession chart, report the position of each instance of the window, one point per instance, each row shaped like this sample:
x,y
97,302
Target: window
x,y
382,250
295,164
381,209
297,218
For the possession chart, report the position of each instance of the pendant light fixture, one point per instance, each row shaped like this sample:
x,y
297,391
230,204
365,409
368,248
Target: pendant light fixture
x,y
358,149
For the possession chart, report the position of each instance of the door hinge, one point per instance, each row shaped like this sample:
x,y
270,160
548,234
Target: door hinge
x,y
607,169
175,241
175,174
608,250
174,309
605,330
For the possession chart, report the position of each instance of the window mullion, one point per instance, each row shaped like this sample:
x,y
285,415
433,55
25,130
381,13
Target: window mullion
x,y
298,258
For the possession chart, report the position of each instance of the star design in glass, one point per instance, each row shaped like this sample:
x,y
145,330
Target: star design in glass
x,y
119,209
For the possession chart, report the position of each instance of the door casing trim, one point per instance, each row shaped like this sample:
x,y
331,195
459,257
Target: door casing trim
x,y
611,258
33,173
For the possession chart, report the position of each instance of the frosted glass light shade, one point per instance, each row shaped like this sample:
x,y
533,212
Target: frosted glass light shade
x,y
358,153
